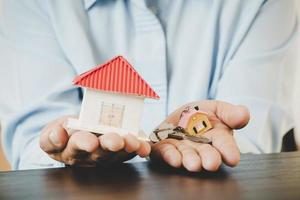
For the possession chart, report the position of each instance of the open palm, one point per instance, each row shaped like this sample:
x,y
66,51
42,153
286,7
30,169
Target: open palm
x,y
225,118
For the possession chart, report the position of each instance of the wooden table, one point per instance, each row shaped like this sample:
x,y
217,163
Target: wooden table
x,y
273,176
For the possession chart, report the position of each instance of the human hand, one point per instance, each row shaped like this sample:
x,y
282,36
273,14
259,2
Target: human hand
x,y
224,118
83,148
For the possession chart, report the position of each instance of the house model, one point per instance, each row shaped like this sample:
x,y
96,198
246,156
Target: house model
x,y
113,98
194,121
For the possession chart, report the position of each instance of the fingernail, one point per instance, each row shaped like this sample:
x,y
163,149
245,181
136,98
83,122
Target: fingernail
x,y
54,138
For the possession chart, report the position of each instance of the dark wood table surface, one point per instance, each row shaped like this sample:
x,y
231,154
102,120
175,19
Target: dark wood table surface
x,y
272,176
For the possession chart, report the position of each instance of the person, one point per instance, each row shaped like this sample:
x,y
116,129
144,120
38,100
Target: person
x,y
203,53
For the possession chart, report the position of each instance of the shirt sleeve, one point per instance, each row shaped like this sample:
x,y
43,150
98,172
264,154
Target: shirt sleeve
x,y
35,81
260,74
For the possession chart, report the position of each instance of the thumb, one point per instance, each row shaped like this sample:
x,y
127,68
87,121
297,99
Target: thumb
x,y
53,138
234,116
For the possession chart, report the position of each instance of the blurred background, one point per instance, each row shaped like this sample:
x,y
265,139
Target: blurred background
x,y
4,165
297,93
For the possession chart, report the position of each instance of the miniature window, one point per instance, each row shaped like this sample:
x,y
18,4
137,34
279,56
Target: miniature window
x,y
112,114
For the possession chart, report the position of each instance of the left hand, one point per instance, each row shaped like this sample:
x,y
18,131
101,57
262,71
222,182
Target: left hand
x,y
225,118
83,148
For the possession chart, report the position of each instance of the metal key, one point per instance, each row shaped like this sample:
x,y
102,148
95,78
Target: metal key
x,y
179,134
199,139
161,132
170,131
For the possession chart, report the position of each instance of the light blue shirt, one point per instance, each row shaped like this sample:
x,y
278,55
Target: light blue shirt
x,y
239,51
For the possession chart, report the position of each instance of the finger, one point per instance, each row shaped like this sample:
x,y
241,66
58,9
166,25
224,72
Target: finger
x,y
190,158
234,116
80,145
112,142
53,138
168,153
223,141
210,157
144,149
132,144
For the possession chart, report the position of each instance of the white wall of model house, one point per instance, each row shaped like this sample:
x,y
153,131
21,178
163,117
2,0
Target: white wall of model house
x,y
92,108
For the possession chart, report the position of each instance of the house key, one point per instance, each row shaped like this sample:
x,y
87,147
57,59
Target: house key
x,y
167,130
162,132
180,134
197,139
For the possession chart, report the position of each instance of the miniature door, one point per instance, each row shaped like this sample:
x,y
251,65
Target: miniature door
x,y
112,114
198,124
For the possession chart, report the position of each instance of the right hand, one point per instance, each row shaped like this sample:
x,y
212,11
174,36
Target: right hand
x,y
225,118
83,148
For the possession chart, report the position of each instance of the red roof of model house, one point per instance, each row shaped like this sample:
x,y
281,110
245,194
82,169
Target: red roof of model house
x,y
117,75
